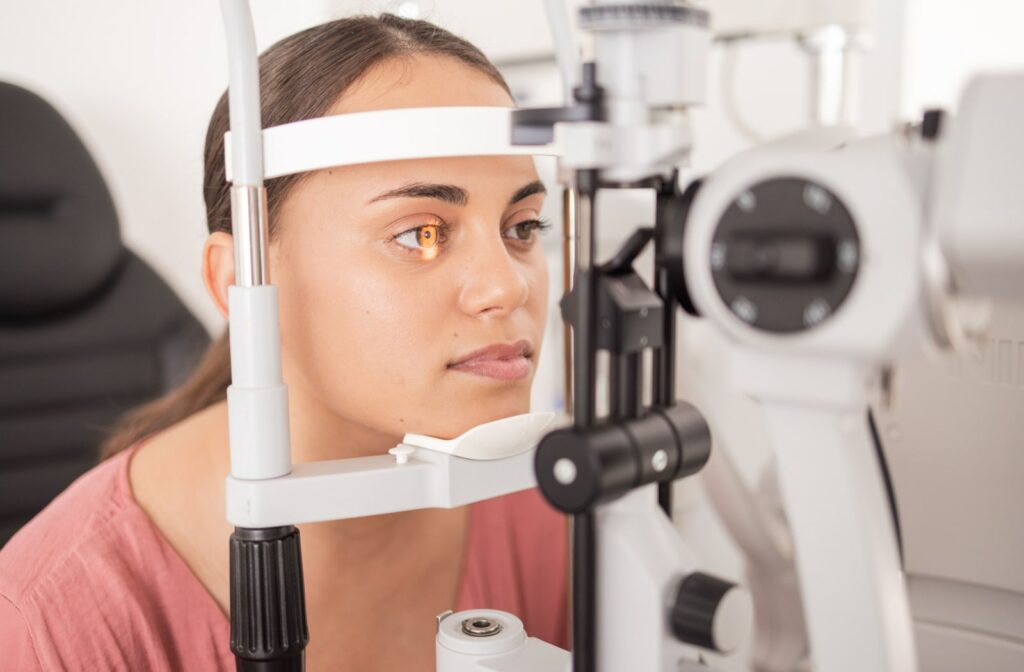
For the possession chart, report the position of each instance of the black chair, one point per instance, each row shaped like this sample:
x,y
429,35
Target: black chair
x,y
87,329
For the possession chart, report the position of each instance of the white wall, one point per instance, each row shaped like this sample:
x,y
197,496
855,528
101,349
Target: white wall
x,y
138,81
948,41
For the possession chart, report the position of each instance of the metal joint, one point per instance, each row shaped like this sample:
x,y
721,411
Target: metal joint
x,y
249,226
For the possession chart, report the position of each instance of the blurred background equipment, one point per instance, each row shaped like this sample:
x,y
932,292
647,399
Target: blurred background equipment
x,y
87,329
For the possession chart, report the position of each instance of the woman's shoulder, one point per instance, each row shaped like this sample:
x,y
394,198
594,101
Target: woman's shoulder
x,y
35,559
90,584
60,532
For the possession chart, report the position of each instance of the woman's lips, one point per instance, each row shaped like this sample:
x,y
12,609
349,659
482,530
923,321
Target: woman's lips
x,y
502,361
514,368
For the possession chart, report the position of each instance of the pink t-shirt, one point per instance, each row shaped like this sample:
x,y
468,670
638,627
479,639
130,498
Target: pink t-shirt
x,y
90,583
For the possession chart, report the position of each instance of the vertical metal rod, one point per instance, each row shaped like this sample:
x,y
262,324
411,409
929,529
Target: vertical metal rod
x,y
250,229
585,285
568,264
664,369
584,561
829,48
665,383
584,599
580,528
625,386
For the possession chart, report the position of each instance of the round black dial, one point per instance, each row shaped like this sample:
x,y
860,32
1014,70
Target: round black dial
x,y
785,255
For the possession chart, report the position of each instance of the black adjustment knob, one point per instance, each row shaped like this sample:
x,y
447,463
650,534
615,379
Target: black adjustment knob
x,y
932,123
577,468
711,613
268,605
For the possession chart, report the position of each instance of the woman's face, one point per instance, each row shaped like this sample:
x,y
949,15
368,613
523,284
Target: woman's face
x,y
390,272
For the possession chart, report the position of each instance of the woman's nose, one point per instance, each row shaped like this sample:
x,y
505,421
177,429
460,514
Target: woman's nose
x,y
494,281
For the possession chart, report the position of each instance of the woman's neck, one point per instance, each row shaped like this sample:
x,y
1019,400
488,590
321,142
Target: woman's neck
x,y
318,433
179,481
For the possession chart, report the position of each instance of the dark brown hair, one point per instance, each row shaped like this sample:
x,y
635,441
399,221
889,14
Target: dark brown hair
x,y
301,77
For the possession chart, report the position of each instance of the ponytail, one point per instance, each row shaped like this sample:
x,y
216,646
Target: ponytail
x,y
206,386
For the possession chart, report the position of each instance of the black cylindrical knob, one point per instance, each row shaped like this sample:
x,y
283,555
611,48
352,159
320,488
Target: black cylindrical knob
x,y
268,605
693,436
578,467
711,613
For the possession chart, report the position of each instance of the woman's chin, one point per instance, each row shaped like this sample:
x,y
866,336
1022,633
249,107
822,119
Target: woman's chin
x,y
455,429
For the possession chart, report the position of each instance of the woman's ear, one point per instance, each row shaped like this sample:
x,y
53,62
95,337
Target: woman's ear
x,y
219,268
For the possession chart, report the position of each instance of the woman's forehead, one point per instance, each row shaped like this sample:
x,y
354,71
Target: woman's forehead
x,y
428,80
483,175
421,80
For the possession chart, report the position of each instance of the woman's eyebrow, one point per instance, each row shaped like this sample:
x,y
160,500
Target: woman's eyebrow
x,y
535,187
448,193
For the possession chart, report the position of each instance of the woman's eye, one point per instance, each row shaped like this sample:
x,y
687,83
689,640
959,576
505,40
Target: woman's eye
x,y
426,239
523,231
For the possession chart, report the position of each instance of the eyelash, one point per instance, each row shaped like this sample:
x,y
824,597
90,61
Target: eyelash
x,y
540,225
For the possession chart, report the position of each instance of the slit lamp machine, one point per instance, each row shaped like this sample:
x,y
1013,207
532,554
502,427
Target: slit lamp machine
x,y
806,255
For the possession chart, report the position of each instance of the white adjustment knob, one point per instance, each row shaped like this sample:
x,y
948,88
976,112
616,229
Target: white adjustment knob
x,y
402,453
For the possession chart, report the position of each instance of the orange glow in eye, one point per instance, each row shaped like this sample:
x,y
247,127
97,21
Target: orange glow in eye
x,y
427,237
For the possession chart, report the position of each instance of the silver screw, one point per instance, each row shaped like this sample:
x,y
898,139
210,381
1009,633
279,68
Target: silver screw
x,y
659,460
817,198
717,256
816,311
744,309
480,626
565,471
747,201
847,253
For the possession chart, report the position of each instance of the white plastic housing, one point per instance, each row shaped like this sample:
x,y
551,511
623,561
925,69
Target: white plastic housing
x,y
814,386
411,477
852,587
872,182
387,135
509,650
656,67
369,486
623,152
257,399
979,201
641,559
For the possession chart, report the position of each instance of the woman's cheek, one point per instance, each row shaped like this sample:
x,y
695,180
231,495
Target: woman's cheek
x,y
401,325
539,290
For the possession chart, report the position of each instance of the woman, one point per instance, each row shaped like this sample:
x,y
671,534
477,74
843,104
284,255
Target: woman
x,y
389,274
